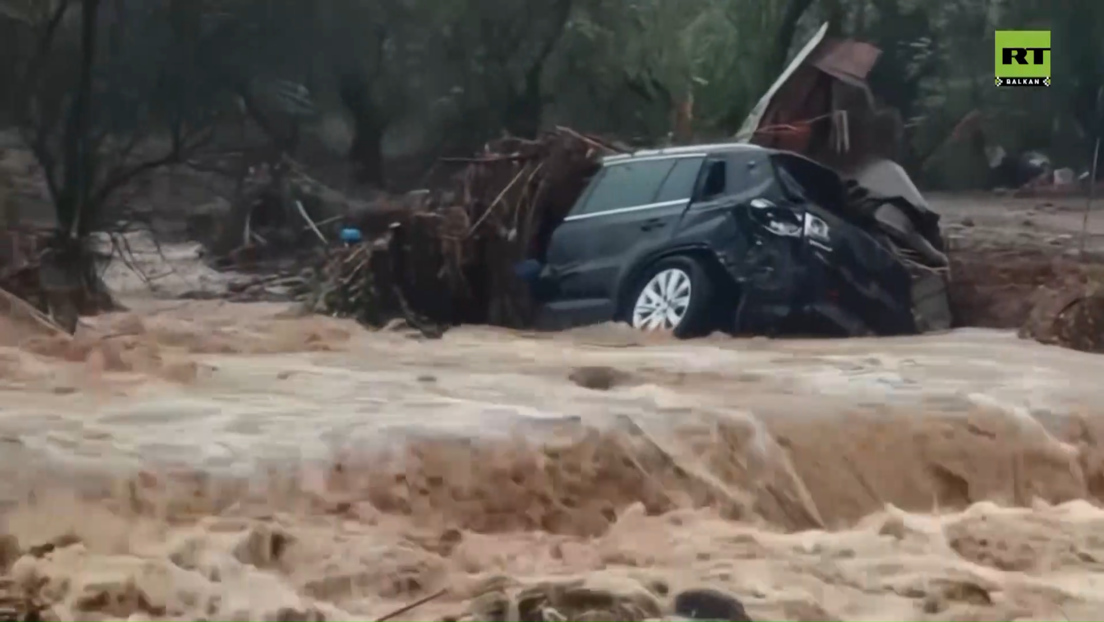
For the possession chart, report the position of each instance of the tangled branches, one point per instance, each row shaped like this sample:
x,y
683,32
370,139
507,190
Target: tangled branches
x,y
449,257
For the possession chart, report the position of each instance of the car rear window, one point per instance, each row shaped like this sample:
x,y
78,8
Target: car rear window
x,y
626,185
680,181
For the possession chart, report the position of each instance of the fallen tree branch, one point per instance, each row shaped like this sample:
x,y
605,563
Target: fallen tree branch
x,y
418,603
15,302
591,140
480,160
310,223
497,200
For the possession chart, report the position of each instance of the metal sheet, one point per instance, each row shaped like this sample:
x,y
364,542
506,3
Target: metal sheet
x,y
849,61
747,130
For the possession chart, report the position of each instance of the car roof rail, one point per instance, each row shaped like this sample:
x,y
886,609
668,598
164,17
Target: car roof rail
x,y
684,149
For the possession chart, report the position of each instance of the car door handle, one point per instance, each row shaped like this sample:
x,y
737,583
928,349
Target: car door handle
x,y
653,223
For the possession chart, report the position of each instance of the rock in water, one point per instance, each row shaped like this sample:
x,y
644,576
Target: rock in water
x,y
709,604
598,378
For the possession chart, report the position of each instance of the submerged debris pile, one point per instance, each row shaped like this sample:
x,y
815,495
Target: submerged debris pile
x,y
449,257
1071,316
16,606
598,596
1055,300
20,250
55,280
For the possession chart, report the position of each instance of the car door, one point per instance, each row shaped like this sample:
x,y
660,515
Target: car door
x,y
628,207
727,180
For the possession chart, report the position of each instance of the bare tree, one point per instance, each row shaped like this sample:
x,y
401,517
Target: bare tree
x,y
99,126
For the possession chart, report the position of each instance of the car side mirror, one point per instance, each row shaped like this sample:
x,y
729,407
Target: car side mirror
x,y
761,203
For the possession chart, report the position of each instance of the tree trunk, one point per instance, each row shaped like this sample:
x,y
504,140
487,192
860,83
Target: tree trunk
x,y
68,276
78,159
837,17
525,109
70,282
524,113
369,126
784,39
366,152
682,122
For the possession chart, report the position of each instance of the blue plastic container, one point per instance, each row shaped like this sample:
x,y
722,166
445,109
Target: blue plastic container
x,y
351,235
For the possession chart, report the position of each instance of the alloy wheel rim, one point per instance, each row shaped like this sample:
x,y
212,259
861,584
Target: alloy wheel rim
x,y
663,302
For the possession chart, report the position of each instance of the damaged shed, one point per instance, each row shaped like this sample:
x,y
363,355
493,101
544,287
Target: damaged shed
x,y
821,107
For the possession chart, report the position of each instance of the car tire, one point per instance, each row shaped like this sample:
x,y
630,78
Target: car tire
x,y
673,280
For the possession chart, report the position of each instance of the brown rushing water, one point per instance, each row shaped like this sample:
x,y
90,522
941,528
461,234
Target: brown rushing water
x,y
235,462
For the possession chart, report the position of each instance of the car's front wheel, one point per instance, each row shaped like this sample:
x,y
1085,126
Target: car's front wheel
x,y
673,296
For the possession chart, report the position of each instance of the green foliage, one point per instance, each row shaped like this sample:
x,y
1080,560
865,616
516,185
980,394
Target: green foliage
x,y
447,75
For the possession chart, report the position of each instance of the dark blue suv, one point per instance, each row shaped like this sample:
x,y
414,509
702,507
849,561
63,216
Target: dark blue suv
x,y
732,237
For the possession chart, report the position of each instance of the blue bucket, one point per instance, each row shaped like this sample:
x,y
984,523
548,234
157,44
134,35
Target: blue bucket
x,y
351,235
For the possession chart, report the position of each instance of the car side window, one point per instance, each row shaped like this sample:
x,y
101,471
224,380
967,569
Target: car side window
x,y
752,172
714,181
627,185
680,181
748,169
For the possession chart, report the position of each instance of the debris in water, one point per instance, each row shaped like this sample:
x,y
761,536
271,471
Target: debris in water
x,y
709,604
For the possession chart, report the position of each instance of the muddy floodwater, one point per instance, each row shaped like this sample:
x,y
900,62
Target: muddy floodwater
x,y
207,460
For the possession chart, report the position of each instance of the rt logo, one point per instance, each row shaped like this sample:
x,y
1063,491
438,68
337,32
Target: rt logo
x,y
1023,58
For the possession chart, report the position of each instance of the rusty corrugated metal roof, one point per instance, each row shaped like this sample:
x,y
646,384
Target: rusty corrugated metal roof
x,y
850,61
